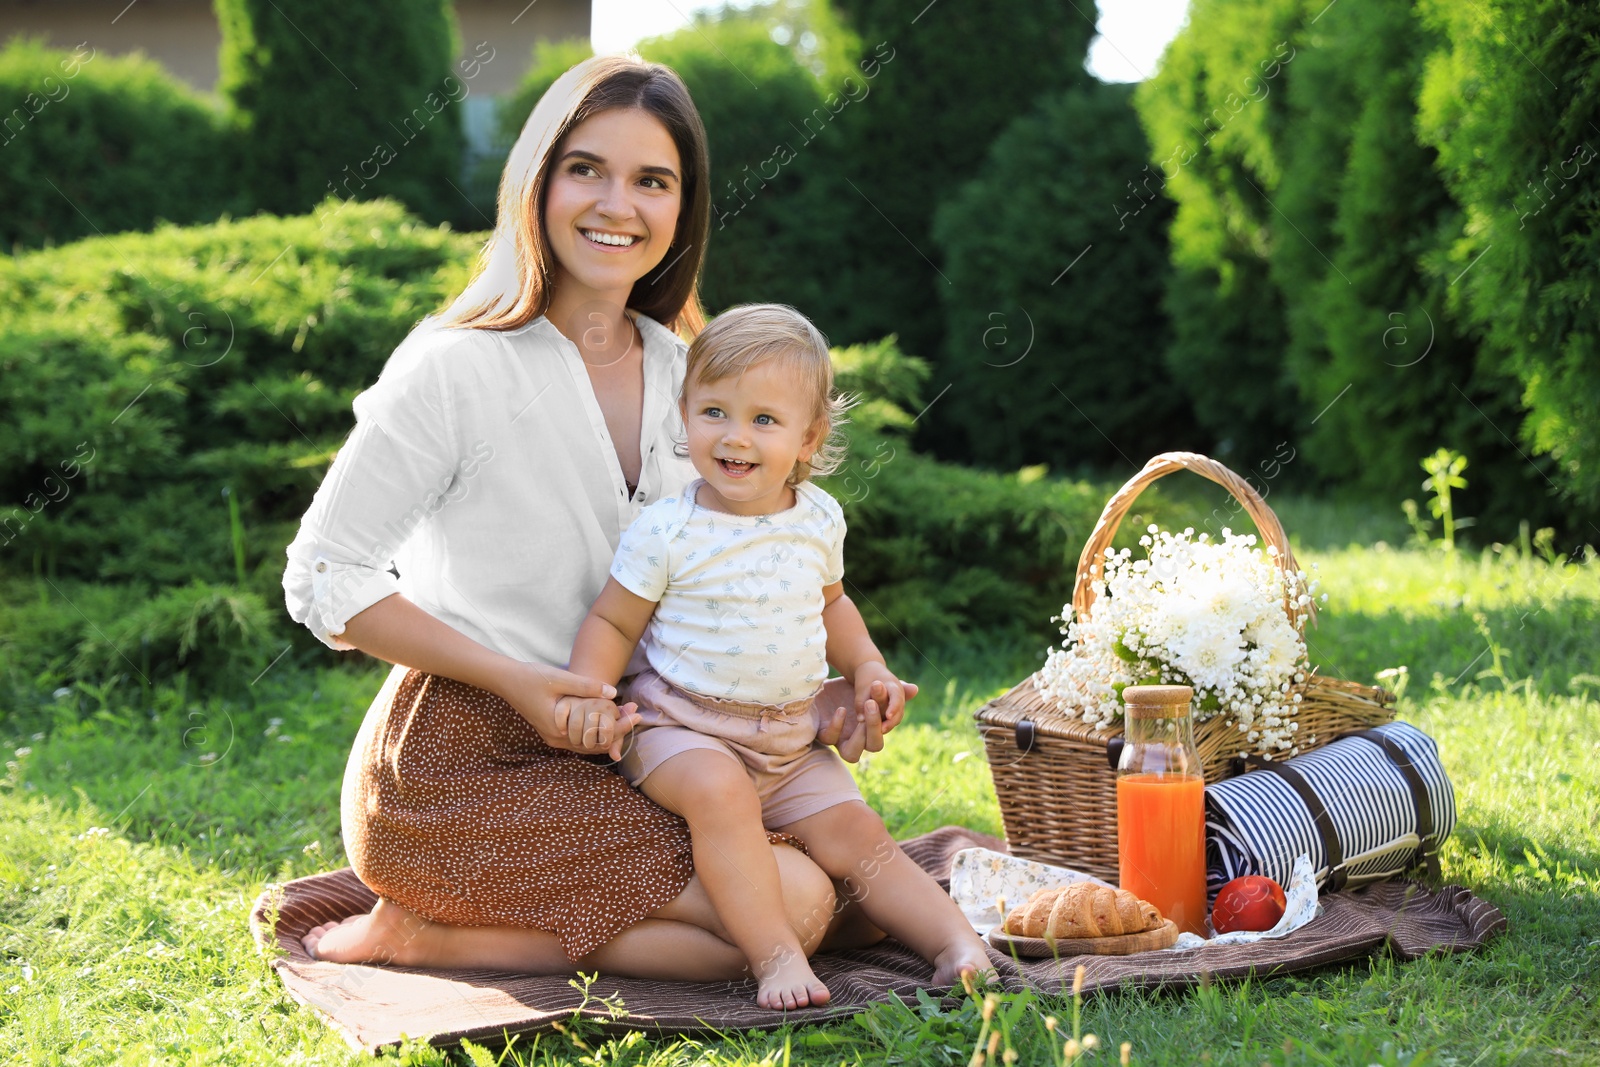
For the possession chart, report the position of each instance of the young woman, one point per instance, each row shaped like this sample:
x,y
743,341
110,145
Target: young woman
x,y
496,461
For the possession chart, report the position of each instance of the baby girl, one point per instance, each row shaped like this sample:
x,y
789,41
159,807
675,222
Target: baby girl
x,y
739,582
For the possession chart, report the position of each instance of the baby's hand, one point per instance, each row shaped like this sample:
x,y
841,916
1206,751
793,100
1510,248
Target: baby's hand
x,y
595,724
876,706
877,686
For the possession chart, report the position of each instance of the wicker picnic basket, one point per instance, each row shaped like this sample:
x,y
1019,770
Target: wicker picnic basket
x,y
1055,775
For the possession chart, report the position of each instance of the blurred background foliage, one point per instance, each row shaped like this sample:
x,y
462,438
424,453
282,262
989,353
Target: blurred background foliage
x,y
376,121
1318,243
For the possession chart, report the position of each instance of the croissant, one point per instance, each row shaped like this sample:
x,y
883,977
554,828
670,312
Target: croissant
x,y
1082,909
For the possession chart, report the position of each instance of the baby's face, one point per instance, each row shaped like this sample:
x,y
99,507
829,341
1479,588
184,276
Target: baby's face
x,y
747,432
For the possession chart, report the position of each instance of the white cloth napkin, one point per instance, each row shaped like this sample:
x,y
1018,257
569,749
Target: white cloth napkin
x,y
985,884
1300,907
981,878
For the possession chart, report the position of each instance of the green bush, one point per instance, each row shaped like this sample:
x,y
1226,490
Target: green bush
x,y
143,374
947,79
1337,170
1212,112
1508,103
220,636
1027,339
63,636
96,144
937,551
348,100
1373,343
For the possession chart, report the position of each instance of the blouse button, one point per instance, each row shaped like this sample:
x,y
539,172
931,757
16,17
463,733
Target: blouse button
x,y
322,566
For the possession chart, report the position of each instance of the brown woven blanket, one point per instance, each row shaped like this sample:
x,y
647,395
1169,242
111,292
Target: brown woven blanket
x,y
373,1006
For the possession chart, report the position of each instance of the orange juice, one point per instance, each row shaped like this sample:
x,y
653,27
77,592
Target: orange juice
x,y
1161,844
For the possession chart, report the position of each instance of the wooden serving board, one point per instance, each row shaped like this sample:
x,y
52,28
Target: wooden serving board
x,y
1163,936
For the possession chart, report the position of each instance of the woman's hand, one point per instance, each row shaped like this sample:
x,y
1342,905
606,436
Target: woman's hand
x,y
534,689
595,724
858,725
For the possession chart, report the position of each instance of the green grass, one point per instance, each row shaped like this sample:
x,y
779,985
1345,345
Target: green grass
x,y
128,944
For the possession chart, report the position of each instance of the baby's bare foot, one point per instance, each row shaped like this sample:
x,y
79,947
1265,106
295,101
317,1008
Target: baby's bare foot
x,y
788,983
388,934
966,957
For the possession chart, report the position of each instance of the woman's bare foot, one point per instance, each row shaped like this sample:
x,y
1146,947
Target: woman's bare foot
x,y
388,934
788,983
965,957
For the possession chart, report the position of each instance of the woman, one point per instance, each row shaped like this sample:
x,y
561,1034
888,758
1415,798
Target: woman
x,y
497,460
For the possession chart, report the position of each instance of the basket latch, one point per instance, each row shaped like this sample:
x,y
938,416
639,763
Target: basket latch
x,y
1025,735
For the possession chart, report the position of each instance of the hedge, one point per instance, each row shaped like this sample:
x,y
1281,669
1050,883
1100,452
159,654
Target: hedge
x,y
98,144
1054,336
225,357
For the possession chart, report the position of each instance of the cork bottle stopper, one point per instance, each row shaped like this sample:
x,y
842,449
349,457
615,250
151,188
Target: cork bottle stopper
x,y
1157,701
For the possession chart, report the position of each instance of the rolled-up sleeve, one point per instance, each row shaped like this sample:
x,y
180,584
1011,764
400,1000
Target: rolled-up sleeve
x,y
391,474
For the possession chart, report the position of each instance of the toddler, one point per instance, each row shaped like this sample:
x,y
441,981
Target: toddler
x,y
738,582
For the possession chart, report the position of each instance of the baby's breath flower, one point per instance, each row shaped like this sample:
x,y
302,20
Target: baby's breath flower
x,y
1197,612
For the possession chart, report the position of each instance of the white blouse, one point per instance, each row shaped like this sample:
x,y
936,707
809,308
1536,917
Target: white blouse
x,y
481,465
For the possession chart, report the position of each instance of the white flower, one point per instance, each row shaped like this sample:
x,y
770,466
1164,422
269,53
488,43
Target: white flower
x,y
1209,614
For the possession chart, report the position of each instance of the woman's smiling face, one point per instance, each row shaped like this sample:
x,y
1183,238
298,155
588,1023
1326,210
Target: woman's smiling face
x,y
612,201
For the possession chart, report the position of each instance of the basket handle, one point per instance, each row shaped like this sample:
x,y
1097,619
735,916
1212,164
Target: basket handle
x,y
1091,562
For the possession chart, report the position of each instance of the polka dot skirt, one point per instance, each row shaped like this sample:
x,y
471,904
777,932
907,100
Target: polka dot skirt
x,y
455,808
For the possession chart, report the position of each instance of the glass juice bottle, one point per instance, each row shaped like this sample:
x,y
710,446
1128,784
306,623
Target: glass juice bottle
x,y
1161,825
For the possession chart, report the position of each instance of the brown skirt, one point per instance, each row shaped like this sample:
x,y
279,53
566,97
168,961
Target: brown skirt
x,y
454,807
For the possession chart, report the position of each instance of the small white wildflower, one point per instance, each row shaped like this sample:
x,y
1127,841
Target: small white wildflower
x,y
1194,612
62,693
24,751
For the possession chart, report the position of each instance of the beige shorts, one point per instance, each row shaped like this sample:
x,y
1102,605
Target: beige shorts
x,y
795,775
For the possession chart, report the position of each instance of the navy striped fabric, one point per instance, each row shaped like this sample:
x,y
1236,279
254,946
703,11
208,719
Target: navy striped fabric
x,y
1257,824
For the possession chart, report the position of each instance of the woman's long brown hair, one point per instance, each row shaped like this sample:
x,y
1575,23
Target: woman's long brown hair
x,y
669,293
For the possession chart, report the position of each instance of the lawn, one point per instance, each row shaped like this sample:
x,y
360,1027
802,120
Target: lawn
x,y
135,833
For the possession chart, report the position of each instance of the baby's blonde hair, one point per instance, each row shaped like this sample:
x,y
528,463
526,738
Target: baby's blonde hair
x,y
750,334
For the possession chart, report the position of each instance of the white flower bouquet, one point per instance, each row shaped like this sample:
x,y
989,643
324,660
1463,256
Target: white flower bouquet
x,y
1221,616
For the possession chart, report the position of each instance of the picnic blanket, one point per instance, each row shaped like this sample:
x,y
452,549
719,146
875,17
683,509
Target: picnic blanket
x,y
374,1006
